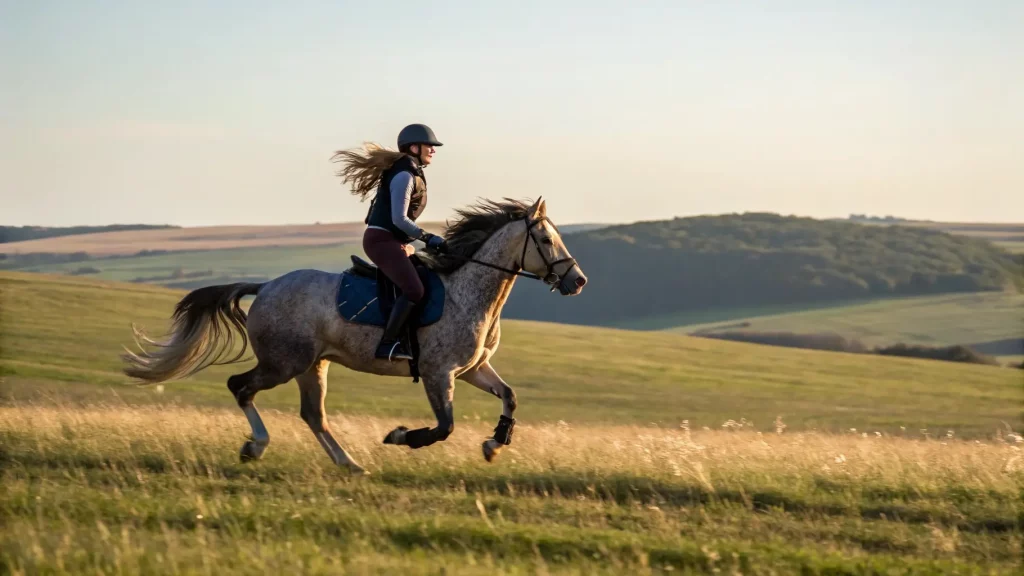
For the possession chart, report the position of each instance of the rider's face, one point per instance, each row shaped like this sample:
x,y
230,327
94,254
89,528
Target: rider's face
x,y
425,152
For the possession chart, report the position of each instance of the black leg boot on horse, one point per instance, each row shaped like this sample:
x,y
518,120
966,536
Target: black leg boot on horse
x,y
392,346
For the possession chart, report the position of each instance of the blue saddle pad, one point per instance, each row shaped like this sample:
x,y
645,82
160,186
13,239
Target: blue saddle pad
x,y
357,300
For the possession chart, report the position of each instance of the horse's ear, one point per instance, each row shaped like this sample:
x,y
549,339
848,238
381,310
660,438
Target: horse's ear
x,y
539,209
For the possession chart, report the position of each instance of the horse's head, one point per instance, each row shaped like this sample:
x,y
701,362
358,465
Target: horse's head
x,y
545,255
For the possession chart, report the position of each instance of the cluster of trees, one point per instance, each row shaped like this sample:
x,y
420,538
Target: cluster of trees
x,y
15,261
686,264
21,233
887,219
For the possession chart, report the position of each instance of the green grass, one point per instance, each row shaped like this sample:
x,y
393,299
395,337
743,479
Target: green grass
x,y
123,489
264,262
682,321
103,477
60,334
929,320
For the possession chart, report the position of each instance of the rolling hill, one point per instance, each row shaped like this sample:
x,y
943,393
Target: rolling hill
x,y
63,335
978,320
128,242
635,452
654,270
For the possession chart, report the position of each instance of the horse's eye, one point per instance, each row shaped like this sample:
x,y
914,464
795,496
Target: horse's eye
x,y
547,241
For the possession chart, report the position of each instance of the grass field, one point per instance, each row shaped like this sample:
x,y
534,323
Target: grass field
x,y
126,243
60,329
929,320
222,265
128,489
766,475
195,238
1010,237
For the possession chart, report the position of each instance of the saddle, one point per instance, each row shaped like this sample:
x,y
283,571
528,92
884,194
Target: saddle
x,y
362,268
366,296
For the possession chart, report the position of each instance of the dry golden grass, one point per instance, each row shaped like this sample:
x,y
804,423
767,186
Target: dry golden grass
x,y
703,455
157,489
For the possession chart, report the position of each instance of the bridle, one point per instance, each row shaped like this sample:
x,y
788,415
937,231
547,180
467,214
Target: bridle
x,y
551,278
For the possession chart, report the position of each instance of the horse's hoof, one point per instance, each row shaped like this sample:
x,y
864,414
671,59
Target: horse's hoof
x,y
396,436
491,449
251,451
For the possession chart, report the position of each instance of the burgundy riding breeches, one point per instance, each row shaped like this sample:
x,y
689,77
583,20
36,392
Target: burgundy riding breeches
x,y
389,255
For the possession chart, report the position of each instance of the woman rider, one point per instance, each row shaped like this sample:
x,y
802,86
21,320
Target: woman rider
x,y
400,195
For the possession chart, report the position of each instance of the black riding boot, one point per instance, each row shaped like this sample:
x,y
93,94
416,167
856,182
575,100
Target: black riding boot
x,y
391,346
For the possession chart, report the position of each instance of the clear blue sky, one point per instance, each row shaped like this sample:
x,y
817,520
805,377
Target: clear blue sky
x,y
215,112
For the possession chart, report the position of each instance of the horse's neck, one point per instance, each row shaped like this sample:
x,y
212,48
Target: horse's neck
x,y
481,290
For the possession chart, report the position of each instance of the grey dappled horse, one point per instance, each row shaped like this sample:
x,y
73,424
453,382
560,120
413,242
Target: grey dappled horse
x,y
296,331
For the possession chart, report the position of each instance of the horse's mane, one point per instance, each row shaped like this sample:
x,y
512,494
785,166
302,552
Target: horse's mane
x,y
364,167
472,227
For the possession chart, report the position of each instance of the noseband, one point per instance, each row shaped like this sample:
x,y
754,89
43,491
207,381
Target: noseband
x,y
551,278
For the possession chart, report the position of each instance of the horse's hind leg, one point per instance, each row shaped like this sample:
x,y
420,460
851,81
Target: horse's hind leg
x,y
245,386
312,390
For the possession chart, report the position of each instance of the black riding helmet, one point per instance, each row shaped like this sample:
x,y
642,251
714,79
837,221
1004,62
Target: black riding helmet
x,y
417,134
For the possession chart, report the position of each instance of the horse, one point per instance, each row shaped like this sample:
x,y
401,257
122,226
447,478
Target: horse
x,y
295,330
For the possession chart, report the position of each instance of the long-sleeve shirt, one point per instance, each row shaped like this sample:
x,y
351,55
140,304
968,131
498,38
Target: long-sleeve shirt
x,y
401,194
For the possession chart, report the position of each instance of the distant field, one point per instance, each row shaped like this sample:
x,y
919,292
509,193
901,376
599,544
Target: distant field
x,y
198,238
227,265
211,266
928,320
1007,236
213,238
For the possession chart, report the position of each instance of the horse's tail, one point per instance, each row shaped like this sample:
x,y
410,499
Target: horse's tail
x,y
200,337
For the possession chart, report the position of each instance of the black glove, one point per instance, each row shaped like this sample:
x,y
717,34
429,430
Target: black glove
x,y
435,243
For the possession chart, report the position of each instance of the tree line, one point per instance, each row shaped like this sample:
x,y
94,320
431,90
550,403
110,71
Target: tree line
x,y
22,233
663,267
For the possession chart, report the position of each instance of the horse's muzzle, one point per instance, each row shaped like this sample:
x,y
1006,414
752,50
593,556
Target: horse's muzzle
x,y
573,283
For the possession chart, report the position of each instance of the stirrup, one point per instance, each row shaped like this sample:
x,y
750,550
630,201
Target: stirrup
x,y
392,351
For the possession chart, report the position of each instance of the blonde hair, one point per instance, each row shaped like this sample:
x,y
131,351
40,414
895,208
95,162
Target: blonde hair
x,y
364,167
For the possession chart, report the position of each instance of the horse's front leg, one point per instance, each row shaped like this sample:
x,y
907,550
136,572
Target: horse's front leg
x,y
440,391
486,378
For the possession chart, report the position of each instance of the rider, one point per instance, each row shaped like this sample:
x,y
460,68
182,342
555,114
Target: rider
x,y
391,226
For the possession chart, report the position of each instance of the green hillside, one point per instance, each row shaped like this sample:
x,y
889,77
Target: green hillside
x,y
708,264
64,335
925,320
603,476
191,269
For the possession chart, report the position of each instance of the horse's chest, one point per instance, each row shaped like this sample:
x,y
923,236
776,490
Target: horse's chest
x,y
479,344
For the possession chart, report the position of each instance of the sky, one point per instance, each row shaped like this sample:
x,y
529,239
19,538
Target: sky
x,y
213,113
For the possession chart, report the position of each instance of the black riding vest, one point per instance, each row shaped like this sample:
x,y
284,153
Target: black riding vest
x,y
380,208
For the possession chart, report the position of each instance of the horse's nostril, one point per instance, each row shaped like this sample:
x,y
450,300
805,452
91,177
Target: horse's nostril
x,y
581,281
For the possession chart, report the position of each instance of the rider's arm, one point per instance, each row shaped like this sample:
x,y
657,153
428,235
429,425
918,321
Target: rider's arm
x,y
401,192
